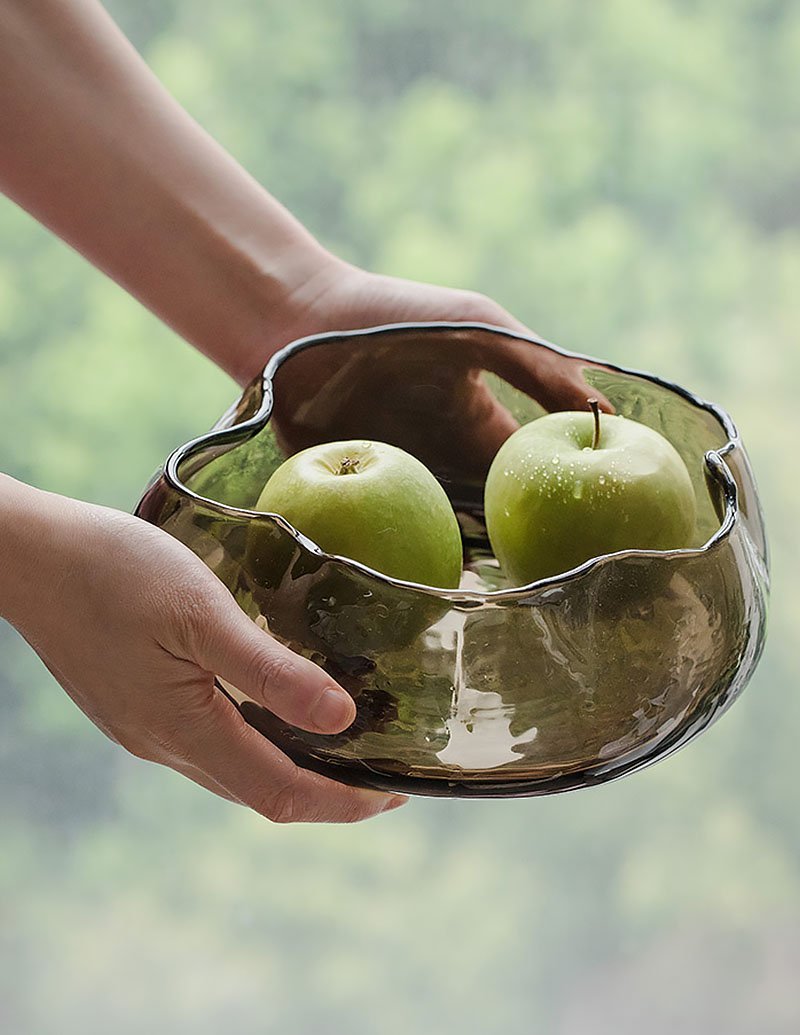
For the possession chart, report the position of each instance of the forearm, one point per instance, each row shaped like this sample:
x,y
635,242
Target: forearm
x,y
26,539
94,147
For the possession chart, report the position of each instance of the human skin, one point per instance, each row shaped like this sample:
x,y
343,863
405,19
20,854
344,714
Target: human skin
x,y
134,627
94,147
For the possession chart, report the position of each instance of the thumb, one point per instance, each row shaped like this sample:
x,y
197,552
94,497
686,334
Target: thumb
x,y
295,689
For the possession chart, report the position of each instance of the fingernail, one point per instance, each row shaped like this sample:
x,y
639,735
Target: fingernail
x,y
332,710
394,803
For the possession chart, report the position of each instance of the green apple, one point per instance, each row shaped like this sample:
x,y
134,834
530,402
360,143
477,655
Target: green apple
x,y
373,503
571,486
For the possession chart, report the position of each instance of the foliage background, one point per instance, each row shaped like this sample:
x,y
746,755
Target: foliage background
x,y
624,177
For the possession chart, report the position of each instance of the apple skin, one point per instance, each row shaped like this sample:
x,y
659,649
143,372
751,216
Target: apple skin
x,y
373,503
553,502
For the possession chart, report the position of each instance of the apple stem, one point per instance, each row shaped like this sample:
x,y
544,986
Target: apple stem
x,y
348,465
594,405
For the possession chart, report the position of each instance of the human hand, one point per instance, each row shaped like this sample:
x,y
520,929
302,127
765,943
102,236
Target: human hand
x,y
441,379
135,627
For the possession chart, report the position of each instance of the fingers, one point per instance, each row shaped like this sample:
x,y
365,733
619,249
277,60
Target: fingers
x,y
295,689
230,755
496,425
556,382
565,388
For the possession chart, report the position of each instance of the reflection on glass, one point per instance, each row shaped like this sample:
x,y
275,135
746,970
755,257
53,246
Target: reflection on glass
x,y
489,689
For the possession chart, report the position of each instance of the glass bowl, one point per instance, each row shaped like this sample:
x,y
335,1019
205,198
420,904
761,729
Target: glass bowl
x,y
488,690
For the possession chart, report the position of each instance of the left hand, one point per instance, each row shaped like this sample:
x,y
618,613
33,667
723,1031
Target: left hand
x,y
462,415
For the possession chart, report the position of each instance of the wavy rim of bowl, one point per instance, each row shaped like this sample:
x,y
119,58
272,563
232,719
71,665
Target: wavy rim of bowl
x,y
245,430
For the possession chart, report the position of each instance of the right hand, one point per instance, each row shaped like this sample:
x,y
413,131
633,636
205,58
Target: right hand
x,y
135,627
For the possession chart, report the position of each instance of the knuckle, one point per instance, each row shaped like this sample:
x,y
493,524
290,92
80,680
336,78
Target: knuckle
x,y
284,806
174,739
192,614
355,809
273,669
136,745
479,308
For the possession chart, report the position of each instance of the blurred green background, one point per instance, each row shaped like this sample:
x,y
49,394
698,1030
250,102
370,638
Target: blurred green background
x,y
623,176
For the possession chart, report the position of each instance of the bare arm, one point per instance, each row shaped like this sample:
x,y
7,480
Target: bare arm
x,y
134,627
94,147
131,623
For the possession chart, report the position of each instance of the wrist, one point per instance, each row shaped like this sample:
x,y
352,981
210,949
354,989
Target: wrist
x,y
273,288
142,190
314,296
33,533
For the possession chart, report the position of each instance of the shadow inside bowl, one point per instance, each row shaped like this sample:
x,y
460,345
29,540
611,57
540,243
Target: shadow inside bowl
x,y
488,690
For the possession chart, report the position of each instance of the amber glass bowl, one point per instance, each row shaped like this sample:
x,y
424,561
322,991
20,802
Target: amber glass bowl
x,y
490,689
